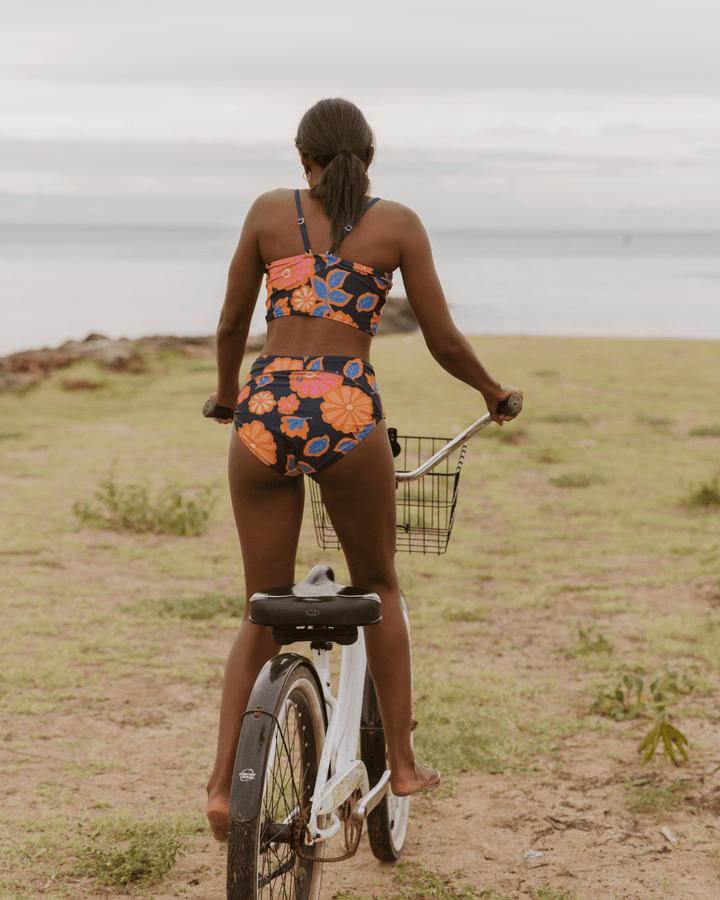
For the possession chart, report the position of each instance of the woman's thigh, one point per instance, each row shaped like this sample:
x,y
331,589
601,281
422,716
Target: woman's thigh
x,y
359,494
268,508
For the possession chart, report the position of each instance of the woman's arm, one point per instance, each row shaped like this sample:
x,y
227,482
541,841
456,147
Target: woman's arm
x,y
243,286
445,341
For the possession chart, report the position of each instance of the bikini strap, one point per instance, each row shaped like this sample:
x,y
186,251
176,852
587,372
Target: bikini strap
x,y
301,223
349,228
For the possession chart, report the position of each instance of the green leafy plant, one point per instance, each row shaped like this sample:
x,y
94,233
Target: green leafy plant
x,y
145,854
132,507
628,698
591,641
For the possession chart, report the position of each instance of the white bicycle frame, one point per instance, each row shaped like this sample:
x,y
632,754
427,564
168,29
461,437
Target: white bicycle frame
x,y
341,772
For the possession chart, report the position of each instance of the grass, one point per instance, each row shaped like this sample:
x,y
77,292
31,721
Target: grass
x,y
120,631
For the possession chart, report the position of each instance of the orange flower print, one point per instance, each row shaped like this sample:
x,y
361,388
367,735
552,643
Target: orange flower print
x,y
359,267
342,317
289,273
259,441
304,299
244,393
261,402
283,364
314,384
291,466
288,405
347,409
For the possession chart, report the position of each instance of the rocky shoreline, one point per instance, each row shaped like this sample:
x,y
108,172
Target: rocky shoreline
x,y
21,371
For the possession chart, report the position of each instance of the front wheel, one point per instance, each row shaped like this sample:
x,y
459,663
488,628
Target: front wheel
x,y
275,771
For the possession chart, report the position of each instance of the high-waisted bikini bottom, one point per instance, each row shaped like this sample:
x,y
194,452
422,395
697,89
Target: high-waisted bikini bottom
x,y
299,414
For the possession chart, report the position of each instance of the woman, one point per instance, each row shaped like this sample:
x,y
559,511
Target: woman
x,y
310,406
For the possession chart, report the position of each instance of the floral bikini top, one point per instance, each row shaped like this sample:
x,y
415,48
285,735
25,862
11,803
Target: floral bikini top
x,y
322,284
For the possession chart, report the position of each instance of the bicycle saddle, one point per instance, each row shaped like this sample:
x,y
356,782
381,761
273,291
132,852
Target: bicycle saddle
x,y
316,609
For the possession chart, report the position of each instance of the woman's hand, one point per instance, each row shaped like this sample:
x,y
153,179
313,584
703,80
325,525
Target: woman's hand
x,y
497,397
231,405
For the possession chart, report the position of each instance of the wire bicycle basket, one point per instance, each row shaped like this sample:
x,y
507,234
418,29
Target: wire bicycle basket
x,y
425,506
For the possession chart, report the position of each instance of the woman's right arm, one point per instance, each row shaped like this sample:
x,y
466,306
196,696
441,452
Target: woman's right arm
x,y
444,340
243,287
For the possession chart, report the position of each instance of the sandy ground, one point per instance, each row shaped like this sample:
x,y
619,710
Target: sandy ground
x,y
565,825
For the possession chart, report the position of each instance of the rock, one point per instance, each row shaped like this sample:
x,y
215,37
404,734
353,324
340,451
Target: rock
x,y
21,371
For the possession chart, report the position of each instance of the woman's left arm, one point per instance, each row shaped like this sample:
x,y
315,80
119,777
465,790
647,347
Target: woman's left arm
x,y
243,287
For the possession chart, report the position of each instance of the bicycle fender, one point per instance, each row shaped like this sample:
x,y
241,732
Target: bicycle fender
x,y
258,727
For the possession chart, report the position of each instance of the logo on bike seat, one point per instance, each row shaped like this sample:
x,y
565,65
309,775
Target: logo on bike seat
x,y
247,775
312,612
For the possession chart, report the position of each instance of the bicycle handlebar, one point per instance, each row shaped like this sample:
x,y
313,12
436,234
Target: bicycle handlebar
x,y
509,407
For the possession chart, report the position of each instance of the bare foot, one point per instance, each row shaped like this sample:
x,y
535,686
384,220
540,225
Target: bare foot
x,y
218,813
425,780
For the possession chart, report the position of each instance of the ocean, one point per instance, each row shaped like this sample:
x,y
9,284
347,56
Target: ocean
x,y
63,282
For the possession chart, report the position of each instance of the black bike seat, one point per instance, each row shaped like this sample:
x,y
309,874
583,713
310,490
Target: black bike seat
x,y
314,607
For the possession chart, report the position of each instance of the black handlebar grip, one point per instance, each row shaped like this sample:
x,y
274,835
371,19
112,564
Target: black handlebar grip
x,y
212,411
511,406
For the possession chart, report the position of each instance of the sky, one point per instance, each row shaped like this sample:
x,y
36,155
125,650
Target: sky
x,y
513,114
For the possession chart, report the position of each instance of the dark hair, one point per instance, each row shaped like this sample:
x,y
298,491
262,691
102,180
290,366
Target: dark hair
x,y
334,134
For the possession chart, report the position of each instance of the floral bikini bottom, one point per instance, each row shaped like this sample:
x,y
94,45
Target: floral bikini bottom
x,y
299,414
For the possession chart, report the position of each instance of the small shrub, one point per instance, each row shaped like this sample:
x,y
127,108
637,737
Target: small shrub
x,y
132,508
706,431
589,641
627,698
577,479
145,854
706,496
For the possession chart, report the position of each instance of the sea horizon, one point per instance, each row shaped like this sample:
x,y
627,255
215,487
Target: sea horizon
x,y
169,279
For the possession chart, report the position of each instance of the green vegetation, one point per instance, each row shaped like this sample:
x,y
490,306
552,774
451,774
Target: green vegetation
x,y
628,698
705,496
591,641
654,793
706,431
143,853
131,507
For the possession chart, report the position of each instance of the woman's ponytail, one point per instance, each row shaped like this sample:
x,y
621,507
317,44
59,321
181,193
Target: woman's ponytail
x,y
334,134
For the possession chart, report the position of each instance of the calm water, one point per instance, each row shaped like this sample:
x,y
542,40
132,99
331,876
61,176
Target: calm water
x,y
60,282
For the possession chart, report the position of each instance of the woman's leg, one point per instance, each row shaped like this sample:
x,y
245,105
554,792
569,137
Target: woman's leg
x,y
359,493
268,510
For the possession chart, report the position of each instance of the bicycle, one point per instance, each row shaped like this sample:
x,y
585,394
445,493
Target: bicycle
x,y
298,780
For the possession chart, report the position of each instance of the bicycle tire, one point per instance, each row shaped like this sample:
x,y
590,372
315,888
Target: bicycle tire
x,y
387,823
274,778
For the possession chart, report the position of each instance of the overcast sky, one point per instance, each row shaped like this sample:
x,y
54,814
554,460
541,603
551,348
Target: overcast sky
x,y
560,113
